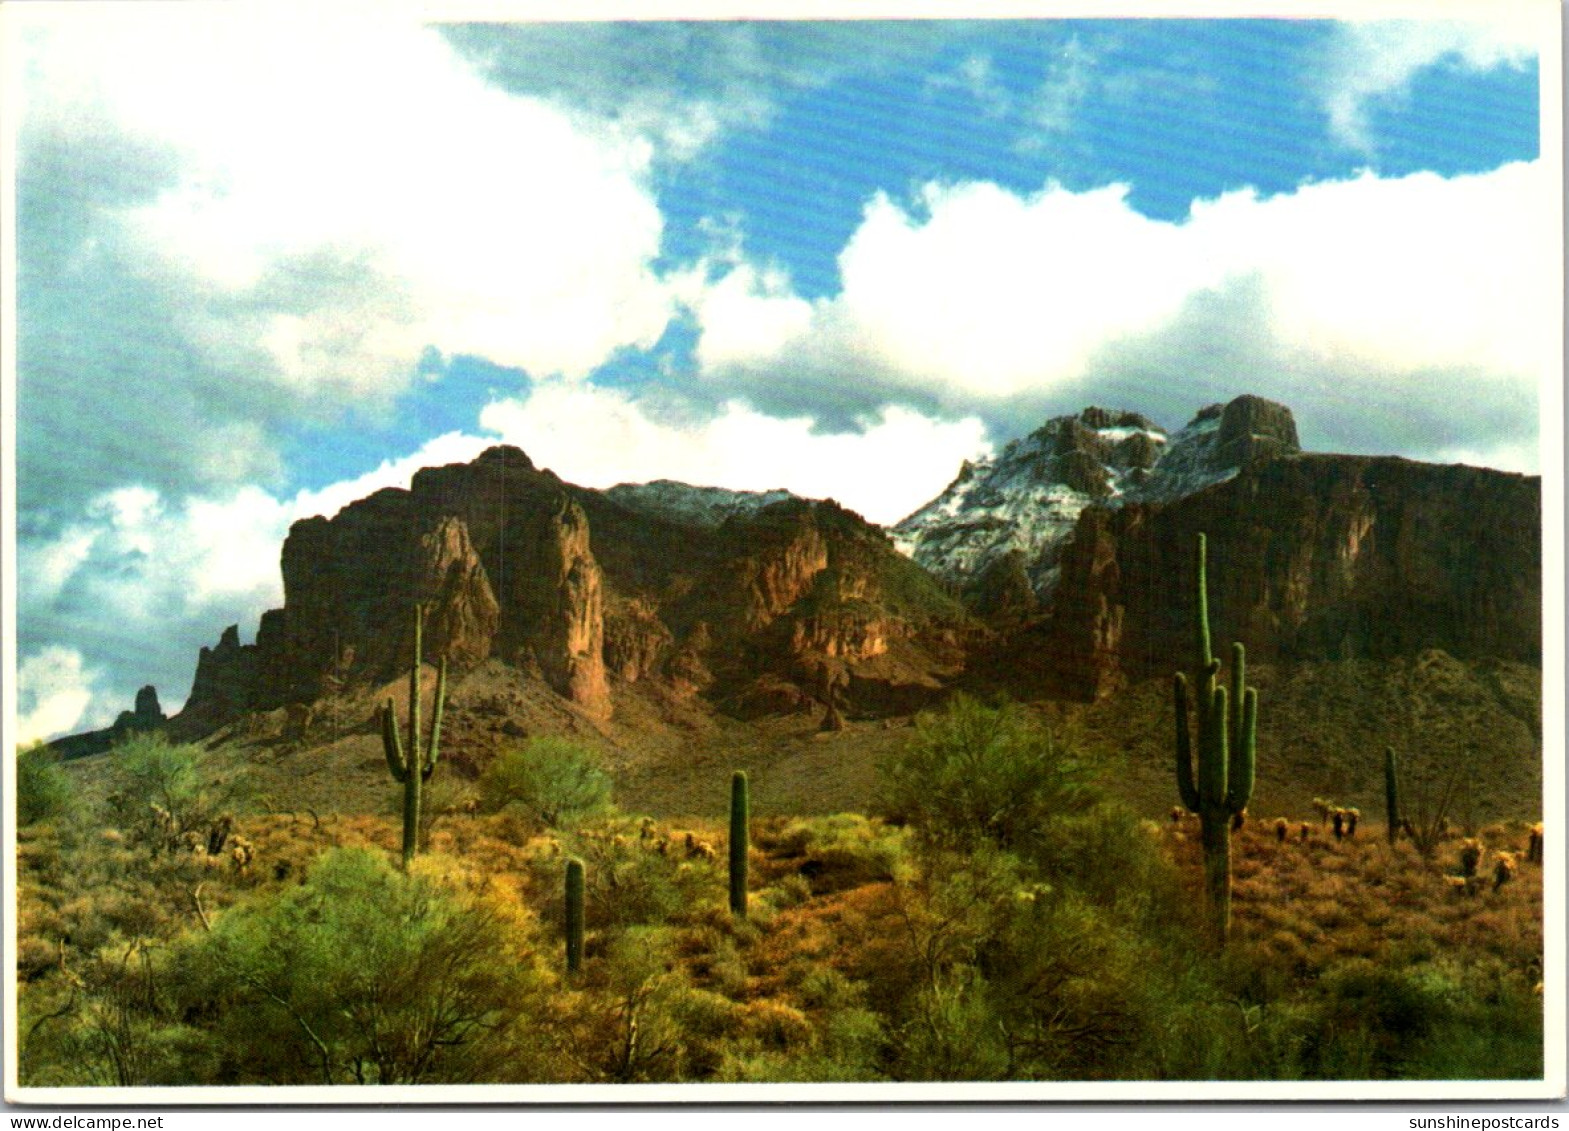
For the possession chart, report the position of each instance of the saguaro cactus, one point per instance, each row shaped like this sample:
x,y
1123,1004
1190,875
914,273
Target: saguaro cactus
x,y
1223,783
414,768
1391,794
574,916
740,840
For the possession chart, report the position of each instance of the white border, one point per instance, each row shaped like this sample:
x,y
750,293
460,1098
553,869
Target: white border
x,y
1545,19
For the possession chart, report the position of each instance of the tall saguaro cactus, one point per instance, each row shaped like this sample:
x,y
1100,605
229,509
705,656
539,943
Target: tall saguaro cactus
x,y
1391,794
740,841
1223,784
414,767
575,915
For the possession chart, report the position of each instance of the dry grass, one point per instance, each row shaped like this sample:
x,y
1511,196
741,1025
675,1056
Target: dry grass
x,y
1318,904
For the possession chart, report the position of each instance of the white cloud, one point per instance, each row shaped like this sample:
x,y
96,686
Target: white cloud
x,y
978,295
348,191
901,460
1372,62
1406,274
53,693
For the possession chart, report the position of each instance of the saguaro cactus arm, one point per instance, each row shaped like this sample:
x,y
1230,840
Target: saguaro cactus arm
x,y
1243,752
392,744
433,750
1391,795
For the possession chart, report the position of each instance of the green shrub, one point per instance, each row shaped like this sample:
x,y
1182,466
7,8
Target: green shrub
x,y
974,774
150,771
363,974
43,790
555,781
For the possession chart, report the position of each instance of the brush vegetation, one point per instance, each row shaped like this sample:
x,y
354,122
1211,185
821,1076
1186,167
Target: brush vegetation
x,y
996,910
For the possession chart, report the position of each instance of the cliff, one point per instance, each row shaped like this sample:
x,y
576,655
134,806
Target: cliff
x,y
585,589
1311,557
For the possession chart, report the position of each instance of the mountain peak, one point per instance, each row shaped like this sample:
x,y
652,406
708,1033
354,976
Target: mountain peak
x,y
1028,498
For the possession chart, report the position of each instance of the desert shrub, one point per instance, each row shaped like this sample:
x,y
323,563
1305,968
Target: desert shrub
x,y
1107,856
639,1018
43,790
150,771
974,774
845,850
363,974
626,882
554,780
109,1016
846,1041
1369,1019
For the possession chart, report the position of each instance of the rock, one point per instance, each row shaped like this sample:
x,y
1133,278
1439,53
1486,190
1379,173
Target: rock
x,y
636,640
144,717
1310,558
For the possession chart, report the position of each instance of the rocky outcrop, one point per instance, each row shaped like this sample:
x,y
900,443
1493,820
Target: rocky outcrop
x,y
1311,558
144,717
637,642
497,552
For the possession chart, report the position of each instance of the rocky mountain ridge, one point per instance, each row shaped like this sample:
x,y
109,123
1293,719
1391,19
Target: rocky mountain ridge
x,y
752,601
1070,551
1000,527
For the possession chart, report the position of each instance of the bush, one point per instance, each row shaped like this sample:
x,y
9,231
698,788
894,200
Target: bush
x,y
555,781
974,774
43,790
149,771
365,975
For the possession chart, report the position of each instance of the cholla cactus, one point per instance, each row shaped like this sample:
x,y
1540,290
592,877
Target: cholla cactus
x,y
1504,869
1219,790
1470,856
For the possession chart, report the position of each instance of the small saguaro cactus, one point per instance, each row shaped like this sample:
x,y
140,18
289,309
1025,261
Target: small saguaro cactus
x,y
574,915
1391,795
414,767
1221,787
740,816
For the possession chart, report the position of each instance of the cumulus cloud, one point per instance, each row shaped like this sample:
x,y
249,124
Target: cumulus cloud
x,y
53,693
252,219
898,460
139,581
1368,64
973,295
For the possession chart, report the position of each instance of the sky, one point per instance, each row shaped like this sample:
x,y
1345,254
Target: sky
x,y
265,266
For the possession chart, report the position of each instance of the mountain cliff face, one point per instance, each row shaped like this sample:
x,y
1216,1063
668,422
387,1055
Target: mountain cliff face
x,y
1311,557
1073,546
707,592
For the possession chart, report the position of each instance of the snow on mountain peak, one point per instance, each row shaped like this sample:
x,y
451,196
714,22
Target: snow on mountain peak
x,y
684,504
1028,497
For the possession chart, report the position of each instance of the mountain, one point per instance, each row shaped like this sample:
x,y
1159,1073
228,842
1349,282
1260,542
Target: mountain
x,y
753,602
1000,527
686,630
684,504
1311,558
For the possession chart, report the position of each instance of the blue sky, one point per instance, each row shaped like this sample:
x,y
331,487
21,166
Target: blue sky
x,y
838,258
